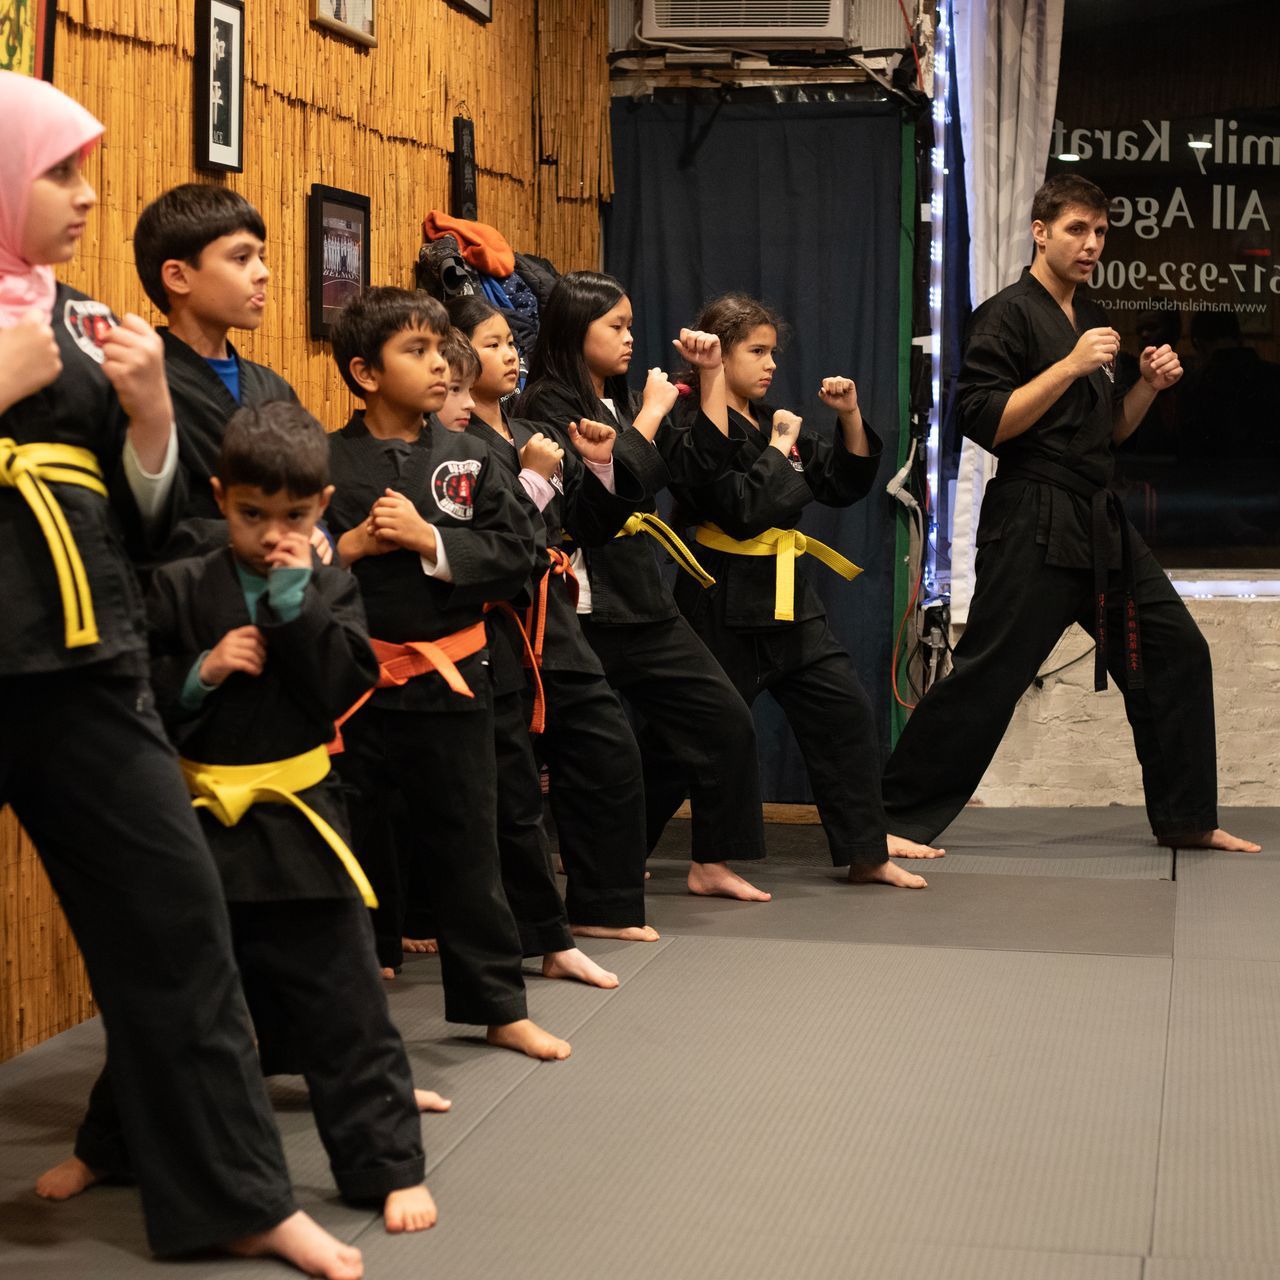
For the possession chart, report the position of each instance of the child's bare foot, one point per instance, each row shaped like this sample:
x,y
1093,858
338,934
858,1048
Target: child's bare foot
x,y
1219,839
633,933
420,946
305,1243
389,975
527,1037
716,880
578,966
65,1180
887,873
409,1209
901,847
430,1100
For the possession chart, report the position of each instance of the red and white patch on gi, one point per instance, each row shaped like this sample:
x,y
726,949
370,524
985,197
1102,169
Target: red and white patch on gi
x,y
453,485
88,323
794,457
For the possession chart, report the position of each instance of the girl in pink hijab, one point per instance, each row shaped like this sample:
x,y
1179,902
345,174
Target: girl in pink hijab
x,y
86,436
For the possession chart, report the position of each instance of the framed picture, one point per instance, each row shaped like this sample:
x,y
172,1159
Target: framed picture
x,y
337,253
355,19
482,9
26,37
219,85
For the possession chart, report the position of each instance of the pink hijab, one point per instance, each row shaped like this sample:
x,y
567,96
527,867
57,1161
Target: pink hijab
x,y
42,126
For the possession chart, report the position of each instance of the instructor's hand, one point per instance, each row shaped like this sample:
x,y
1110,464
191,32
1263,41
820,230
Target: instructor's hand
x,y
1095,348
1160,367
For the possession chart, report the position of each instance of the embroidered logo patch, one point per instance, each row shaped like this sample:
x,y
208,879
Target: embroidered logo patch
x,y
88,323
794,458
453,486
557,479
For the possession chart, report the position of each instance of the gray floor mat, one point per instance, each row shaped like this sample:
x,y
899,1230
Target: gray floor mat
x,y
1228,906
1208,1269
974,1099
1219,1184
1008,913
1114,826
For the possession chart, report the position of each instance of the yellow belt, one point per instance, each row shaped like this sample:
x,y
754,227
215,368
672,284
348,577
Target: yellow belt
x,y
786,544
31,468
228,791
669,540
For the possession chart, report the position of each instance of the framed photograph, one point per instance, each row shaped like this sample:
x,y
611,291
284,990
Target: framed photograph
x,y
219,85
482,9
355,19
337,253
26,37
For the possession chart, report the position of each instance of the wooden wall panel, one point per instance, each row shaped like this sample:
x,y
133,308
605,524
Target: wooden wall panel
x,y
317,109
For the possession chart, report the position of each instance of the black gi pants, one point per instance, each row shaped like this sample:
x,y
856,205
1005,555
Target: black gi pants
x,y
816,684
313,988
697,739
527,874
442,763
1021,606
86,766
597,799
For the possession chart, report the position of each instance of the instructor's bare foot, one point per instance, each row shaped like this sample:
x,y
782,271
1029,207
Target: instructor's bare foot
x,y
901,847
716,880
305,1243
1219,839
420,946
632,933
579,967
430,1100
527,1037
887,873
65,1180
409,1209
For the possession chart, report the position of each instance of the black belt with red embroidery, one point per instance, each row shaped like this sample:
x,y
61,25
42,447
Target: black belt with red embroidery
x,y
1101,501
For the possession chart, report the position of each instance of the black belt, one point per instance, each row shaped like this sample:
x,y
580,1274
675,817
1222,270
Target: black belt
x,y
1101,500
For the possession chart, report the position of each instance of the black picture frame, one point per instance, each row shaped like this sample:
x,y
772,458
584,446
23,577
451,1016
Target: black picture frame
x,y
26,39
479,9
338,241
219,86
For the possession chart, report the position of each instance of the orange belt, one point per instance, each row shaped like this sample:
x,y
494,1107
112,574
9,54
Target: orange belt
x,y
400,663
533,629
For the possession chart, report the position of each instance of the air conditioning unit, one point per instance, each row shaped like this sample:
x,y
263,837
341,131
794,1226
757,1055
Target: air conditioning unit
x,y
779,23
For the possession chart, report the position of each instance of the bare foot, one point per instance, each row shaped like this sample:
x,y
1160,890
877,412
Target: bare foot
x,y
887,873
420,946
1219,839
409,1209
305,1243
633,933
529,1038
430,1100
715,880
389,975
65,1180
901,847
578,966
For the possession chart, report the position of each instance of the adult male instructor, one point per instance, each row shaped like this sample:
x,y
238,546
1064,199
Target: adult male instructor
x,y
1054,547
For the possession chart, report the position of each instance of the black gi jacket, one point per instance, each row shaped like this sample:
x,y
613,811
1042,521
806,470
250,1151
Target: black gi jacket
x,y
202,406
582,513
78,408
455,484
1013,337
626,584
763,490
317,666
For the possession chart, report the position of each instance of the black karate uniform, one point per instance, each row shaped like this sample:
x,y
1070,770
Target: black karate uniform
x,y
87,767
301,933
597,786
697,737
422,743
799,662
1052,544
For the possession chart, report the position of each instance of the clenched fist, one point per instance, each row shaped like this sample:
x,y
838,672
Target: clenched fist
x,y
29,359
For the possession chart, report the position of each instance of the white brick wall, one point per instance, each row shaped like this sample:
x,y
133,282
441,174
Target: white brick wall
x,y
1068,745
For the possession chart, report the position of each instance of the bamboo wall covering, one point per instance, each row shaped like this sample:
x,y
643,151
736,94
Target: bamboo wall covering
x,y
317,109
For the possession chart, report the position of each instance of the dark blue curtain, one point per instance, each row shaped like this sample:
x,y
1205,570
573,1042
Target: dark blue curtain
x,y
797,203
